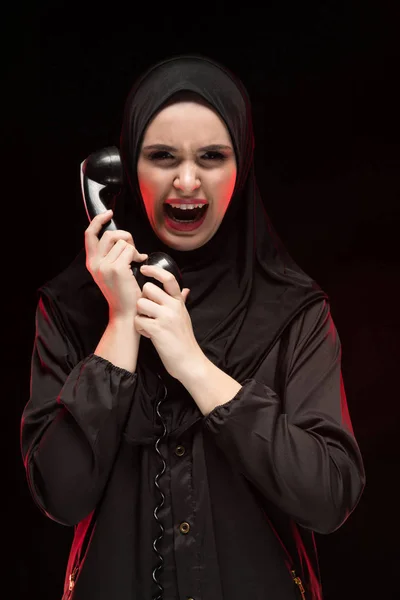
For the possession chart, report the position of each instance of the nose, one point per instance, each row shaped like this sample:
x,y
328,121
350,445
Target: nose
x,y
187,179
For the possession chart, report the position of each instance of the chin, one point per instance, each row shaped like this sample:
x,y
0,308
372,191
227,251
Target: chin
x,y
183,245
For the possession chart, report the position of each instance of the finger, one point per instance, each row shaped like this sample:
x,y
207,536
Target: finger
x,y
110,238
185,294
142,325
154,293
147,308
119,248
92,231
168,280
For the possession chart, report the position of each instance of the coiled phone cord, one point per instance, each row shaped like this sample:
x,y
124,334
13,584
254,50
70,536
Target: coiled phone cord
x,y
156,510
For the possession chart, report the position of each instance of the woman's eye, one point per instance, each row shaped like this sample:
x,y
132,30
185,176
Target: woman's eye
x,y
214,156
163,155
160,155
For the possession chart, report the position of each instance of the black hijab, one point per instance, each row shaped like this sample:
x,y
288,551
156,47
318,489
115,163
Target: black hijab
x,y
245,288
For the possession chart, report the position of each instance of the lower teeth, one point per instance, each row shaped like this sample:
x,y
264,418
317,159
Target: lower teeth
x,y
185,220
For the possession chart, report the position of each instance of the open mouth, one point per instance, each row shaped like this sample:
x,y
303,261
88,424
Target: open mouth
x,y
185,215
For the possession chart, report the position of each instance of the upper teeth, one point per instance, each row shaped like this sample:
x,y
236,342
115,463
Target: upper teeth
x,y
187,206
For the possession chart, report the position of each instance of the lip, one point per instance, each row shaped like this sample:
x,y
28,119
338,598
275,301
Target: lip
x,y
186,201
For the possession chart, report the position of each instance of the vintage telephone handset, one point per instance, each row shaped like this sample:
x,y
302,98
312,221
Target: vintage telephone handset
x,y
101,179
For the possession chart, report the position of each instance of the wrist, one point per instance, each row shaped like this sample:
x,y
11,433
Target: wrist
x,y
126,321
120,342
194,370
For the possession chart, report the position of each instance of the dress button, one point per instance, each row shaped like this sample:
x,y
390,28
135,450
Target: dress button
x,y
184,527
180,450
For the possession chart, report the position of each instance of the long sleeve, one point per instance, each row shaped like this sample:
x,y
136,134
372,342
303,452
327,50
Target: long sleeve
x,y
71,426
299,449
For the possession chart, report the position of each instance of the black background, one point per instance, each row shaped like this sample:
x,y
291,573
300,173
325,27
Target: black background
x,y
323,80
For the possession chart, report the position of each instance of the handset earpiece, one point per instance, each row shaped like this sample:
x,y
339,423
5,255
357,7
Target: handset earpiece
x,y
101,175
101,178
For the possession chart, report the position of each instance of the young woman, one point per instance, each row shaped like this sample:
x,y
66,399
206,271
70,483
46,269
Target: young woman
x,y
196,437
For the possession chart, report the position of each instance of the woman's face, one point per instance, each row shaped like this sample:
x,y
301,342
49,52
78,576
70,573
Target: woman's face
x,y
186,155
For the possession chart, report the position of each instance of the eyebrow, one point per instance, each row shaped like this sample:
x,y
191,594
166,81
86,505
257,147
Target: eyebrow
x,y
211,147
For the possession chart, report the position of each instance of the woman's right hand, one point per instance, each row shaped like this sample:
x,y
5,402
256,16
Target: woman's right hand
x,y
108,260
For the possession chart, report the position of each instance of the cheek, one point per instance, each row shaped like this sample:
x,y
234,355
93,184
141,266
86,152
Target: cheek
x,y
150,185
231,180
224,187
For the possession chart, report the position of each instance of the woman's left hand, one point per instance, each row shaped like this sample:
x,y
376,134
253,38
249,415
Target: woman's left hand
x,y
163,318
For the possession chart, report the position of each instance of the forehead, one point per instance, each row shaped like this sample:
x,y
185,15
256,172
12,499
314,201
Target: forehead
x,y
186,118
